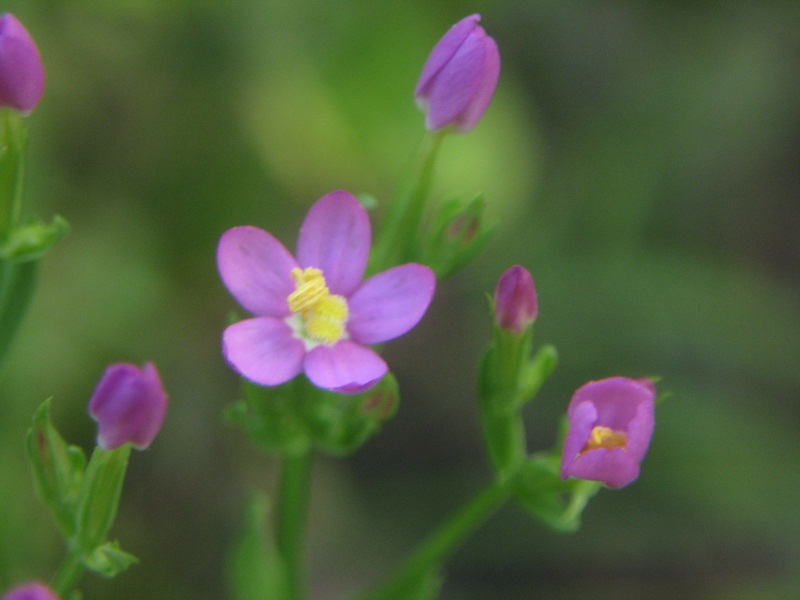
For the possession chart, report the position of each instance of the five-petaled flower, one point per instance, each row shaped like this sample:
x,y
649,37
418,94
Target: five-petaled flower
x,y
459,77
21,70
610,425
30,591
313,313
129,405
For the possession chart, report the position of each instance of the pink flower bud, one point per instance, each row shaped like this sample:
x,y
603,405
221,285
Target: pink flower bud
x,y
30,591
129,405
458,80
610,425
515,305
21,70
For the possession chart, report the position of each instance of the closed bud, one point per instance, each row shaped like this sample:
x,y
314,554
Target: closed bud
x,y
129,405
515,306
459,77
21,70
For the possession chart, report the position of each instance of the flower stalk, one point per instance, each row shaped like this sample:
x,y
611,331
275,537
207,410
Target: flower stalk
x,y
423,565
292,515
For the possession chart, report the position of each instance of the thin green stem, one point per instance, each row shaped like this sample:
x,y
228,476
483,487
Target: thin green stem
x,y
292,513
399,235
69,573
432,553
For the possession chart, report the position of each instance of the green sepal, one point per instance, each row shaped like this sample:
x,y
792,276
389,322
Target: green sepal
x,y
296,416
456,235
539,489
31,240
58,470
535,372
341,423
108,560
272,417
99,495
256,569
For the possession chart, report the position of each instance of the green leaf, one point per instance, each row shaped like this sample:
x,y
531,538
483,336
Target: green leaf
x,y
256,570
32,240
99,495
57,469
109,560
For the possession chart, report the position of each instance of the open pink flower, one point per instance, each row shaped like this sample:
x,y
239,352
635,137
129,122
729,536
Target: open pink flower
x,y
610,425
313,313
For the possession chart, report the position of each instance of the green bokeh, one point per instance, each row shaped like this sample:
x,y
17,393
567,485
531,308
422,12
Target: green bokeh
x,y
640,158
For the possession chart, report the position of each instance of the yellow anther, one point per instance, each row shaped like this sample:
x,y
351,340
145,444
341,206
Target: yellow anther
x,y
323,314
326,319
310,289
605,437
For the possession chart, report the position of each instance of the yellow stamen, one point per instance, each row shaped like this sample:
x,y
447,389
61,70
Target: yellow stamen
x,y
324,314
605,437
325,320
310,289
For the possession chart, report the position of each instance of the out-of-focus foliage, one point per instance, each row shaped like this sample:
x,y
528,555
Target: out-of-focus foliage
x,y
640,159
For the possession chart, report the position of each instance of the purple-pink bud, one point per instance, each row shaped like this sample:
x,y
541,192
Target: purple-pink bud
x,y
459,77
515,305
610,425
30,591
129,405
21,70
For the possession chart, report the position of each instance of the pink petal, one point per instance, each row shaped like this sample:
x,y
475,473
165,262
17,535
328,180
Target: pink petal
x,y
390,303
336,238
459,82
345,367
263,350
256,269
614,467
443,51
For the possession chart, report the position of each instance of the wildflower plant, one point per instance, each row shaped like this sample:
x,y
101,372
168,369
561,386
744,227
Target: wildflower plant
x,y
308,351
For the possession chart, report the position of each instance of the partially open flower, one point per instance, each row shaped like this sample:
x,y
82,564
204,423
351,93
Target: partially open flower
x,y
459,77
515,305
313,313
21,70
129,405
610,425
30,591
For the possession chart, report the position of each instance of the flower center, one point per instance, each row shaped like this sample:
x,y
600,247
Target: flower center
x,y
323,314
605,437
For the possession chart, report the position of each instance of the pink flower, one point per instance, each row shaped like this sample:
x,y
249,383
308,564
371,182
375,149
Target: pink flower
x,y
610,425
21,70
515,304
313,313
459,77
30,591
129,405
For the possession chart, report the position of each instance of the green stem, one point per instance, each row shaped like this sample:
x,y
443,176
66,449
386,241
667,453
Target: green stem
x,y
292,513
69,573
432,553
401,228
17,282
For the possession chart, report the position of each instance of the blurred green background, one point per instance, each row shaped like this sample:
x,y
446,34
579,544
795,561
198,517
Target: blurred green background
x,y
641,158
